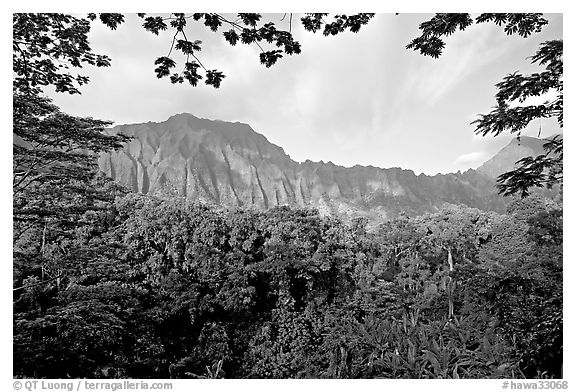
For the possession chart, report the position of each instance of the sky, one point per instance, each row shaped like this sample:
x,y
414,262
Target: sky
x,y
350,99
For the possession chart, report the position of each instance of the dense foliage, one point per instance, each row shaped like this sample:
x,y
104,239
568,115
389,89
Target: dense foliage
x,y
167,288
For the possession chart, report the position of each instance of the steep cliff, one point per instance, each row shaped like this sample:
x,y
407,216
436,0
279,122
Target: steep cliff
x,y
230,164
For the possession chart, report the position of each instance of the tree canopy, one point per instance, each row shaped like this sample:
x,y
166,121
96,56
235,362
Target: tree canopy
x,y
169,288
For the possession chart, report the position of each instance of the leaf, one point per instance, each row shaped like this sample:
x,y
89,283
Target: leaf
x,y
269,58
455,373
112,20
188,47
231,36
154,24
164,65
250,19
431,357
214,78
212,21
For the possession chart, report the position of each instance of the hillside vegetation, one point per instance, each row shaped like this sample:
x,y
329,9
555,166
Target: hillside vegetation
x,y
140,286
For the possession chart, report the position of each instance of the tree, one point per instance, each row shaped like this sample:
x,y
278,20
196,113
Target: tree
x,y
54,154
454,233
54,176
545,169
46,46
61,209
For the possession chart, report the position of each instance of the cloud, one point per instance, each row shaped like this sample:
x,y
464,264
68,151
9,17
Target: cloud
x,y
464,55
471,160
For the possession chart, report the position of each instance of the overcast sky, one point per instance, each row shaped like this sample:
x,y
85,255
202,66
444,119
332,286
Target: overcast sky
x,y
350,99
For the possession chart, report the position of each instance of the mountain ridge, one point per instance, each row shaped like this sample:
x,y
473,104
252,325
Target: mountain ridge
x,y
227,163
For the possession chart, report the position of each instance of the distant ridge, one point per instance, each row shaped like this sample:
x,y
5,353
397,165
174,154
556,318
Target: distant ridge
x,y
230,164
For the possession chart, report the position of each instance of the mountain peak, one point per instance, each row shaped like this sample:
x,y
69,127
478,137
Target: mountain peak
x,y
182,115
505,160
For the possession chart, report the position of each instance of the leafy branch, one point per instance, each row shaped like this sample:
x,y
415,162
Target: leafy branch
x,y
246,30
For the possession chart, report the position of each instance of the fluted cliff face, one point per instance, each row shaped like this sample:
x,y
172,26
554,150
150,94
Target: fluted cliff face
x,y
230,164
